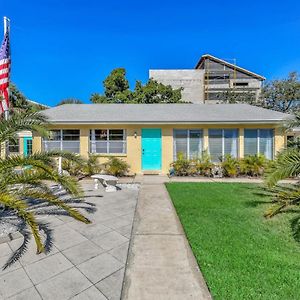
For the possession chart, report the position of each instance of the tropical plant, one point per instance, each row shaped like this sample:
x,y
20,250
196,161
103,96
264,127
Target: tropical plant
x,y
181,166
253,165
23,190
116,166
230,166
83,167
204,164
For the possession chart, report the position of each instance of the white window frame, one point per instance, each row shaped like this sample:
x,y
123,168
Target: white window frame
x,y
258,140
223,139
93,140
188,141
61,140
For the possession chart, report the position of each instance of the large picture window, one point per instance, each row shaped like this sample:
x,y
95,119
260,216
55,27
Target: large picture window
x,y
259,141
108,141
64,140
222,142
188,142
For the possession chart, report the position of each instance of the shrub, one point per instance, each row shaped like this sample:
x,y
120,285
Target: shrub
x,y
85,168
72,167
181,166
116,166
253,165
204,165
230,166
92,166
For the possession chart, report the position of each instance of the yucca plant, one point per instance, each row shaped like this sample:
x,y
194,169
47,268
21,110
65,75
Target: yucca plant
x,y
23,186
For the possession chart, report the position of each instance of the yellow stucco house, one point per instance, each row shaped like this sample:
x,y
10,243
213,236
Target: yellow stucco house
x,y
150,136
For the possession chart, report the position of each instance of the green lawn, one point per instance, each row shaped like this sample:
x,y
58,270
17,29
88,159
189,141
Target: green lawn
x,y
241,254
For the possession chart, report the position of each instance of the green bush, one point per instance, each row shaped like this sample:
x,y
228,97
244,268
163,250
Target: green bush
x,y
253,165
181,166
72,167
230,166
116,167
204,165
85,168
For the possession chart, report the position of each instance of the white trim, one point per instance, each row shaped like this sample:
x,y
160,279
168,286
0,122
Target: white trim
x,y
229,64
271,122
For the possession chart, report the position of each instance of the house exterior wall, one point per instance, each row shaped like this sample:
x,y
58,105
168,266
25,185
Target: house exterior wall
x,y
192,82
134,151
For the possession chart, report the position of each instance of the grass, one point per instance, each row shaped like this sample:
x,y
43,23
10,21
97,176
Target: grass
x,y
241,254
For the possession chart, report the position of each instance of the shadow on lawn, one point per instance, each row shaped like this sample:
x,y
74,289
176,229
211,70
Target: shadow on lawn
x,y
266,198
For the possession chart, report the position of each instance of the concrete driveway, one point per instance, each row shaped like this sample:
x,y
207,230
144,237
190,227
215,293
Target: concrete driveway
x,y
87,261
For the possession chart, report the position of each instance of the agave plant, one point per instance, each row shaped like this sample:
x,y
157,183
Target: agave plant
x,y
24,183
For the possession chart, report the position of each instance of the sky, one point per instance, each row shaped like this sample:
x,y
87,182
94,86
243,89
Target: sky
x,y
65,48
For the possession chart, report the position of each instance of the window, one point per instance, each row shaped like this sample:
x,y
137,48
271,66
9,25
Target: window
x,y
108,141
240,84
14,146
63,139
259,141
188,142
222,142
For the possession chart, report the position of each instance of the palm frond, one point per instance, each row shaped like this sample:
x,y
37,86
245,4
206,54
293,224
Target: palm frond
x,y
286,165
33,121
20,207
283,196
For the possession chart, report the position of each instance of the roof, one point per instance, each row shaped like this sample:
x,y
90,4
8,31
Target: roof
x,y
224,62
38,103
161,114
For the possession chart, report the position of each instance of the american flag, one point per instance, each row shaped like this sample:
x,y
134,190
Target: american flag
x,y
4,73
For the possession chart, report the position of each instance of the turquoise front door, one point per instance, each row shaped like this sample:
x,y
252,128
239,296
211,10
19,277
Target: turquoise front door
x,y
151,149
27,146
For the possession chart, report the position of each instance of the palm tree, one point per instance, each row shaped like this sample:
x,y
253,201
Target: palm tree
x,y
23,186
286,165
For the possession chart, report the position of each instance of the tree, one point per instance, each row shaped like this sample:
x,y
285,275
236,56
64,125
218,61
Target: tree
x,y
116,90
69,101
232,96
282,95
24,194
286,165
19,101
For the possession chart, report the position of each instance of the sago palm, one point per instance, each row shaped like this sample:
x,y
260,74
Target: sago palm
x,y
23,187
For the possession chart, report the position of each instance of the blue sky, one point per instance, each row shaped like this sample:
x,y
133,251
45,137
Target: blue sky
x,y
65,48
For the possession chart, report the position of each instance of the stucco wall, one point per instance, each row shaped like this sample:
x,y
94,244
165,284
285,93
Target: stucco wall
x,y
133,155
192,82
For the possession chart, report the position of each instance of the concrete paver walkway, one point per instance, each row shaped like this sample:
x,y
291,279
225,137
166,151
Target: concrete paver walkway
x,y
87,261
160,264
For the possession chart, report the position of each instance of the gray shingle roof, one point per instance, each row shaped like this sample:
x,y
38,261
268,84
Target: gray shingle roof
x,y
161,113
